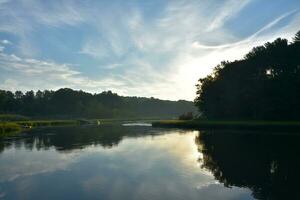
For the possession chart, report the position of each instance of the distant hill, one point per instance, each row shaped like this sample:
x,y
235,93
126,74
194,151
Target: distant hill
x,y
68,103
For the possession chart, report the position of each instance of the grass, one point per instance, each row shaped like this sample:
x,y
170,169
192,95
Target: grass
x,y
209,124
8,128
122,120
13,126
35,123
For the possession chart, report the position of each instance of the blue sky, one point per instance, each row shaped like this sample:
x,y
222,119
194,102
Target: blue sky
x,y
155,48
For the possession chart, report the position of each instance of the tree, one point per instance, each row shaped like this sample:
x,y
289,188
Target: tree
x,y
297,37
263,85
68,103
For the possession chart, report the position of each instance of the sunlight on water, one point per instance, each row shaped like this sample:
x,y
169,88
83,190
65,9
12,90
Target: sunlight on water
x,y
137,124
114,163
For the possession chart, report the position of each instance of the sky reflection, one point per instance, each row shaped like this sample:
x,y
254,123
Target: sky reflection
x,y
164,166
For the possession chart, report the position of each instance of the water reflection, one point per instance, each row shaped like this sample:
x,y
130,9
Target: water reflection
x,y
108,162
267,164
76,137
115,162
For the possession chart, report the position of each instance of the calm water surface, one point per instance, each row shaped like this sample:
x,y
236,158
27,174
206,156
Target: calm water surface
x,y
141,162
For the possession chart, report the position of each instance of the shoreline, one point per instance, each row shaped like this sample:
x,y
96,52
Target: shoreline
x,y
226,124
15,127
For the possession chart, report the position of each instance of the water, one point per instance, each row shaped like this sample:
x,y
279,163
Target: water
x,y
141,162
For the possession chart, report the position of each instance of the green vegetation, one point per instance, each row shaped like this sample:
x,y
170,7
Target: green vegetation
x,y
66,103
17,126
186,116
31,124
9,128
81,108
265,85
208,124
261,91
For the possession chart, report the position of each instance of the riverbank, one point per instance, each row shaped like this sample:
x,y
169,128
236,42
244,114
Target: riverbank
x,y
213,124
14,126
9,128
18,126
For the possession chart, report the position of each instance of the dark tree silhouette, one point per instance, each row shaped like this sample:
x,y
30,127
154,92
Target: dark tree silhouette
x,y
263,85
297,37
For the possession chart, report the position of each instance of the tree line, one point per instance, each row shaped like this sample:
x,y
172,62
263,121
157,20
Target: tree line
x,y
68,103
264,85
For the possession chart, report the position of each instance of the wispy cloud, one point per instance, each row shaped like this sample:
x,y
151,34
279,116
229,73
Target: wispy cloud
x,y
260,36
23,18
39,74
133,48
226,11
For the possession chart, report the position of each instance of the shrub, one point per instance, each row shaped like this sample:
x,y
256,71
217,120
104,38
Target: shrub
x,y
186,116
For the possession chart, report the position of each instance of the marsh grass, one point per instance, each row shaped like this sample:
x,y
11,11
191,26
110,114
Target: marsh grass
x,y
208,124
13,126
35,123
9,128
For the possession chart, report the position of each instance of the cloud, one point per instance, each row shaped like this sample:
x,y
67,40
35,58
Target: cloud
x,y
139,49
226,11
23,18
39,74
5,42
27,14
149,48
263,32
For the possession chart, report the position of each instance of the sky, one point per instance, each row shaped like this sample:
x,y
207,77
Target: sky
x,y
149,48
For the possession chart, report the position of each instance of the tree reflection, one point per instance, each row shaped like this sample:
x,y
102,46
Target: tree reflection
x,y
73,137
267,164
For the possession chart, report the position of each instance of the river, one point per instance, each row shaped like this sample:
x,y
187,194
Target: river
x,y
140,162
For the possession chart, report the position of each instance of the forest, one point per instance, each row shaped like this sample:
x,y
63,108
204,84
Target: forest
x,y
66,103
264,85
